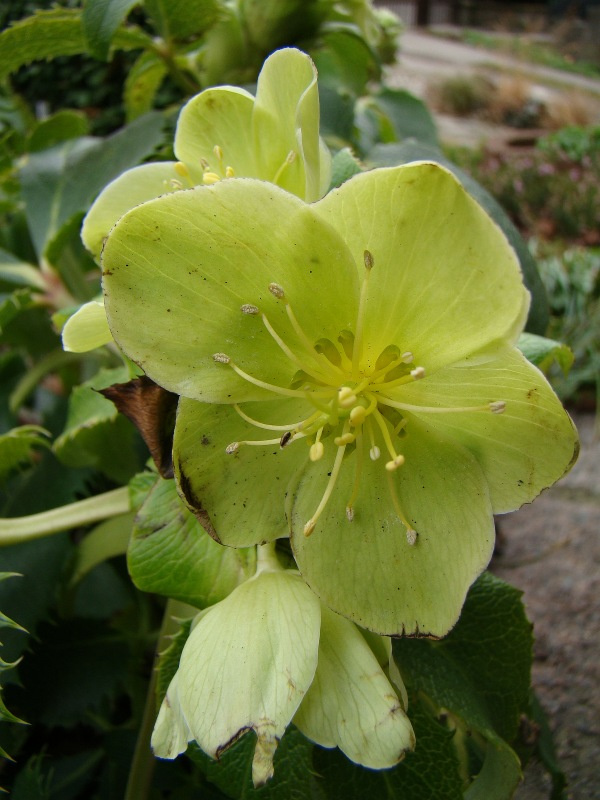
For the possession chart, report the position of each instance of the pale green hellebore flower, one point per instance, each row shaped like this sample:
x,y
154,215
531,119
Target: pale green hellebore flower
x,y
248,665
227,132
349,366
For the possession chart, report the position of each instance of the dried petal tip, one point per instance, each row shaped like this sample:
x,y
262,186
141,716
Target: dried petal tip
x,y
221,358
497,407
248,308
277,290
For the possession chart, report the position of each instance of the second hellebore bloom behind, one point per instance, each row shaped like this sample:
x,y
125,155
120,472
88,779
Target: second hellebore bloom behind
x,y
350,366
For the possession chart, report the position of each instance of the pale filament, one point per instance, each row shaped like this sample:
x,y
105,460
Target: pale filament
x,y
289,159
276,389
337,464
318,376
495,407
292,427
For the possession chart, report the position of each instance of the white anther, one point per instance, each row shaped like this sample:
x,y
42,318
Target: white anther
x,y
316,451
204,164
291,157
358,416
210,177
349,513
394,463
407,357
497,407
346,397
277,290
411,536
229,172
181,169
309,527
248,308
175,184
374,453
232,448
418,373
221,358
369,261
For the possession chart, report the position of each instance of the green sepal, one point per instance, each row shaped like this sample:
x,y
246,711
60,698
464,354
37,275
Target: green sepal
x,y
171,554
544,352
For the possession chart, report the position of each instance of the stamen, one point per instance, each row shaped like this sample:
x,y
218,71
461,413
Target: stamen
x,y
410,531
414,375
357,475
204,164
393,465
344,439
358,416
418,373
316,451
357,349
337,464
232,448
318,376
248,308
181,169
277,291
293,426
235,446
175,184
285,439
497,407
209,178
388,442
289,159
229,172
346,397
224,359
407,357
374,451
218,152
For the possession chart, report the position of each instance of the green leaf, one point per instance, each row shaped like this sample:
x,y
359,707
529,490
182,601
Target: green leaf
x,y
171,554
386,155
17,447
181,18
12,304
58,128
544,352
344,60
95,434
16,272
432,771
63,181
343,167
142,82
408,116
294,777
480,675
46,34
100,19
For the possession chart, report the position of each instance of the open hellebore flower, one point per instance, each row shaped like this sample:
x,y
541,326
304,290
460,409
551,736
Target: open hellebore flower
x,y
248,665
226,132
351,361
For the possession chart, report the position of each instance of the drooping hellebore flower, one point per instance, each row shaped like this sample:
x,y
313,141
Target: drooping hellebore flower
x,y
248,665
226,132
349,366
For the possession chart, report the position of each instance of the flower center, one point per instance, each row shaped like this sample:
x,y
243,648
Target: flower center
x,y
353,408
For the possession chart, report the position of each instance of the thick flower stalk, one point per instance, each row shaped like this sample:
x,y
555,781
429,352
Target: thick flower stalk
x,y
348,377
268,652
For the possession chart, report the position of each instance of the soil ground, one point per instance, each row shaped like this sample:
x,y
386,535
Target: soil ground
x,y
551,548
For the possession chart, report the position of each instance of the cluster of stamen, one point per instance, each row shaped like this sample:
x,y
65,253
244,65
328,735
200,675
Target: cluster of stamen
x,y
351,405
217,170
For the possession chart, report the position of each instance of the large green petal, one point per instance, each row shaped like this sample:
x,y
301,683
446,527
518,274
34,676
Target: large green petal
x,y
350,703
128,190
246,666
521,451
366,569
445,281
239,498
178,269
218,117
286,119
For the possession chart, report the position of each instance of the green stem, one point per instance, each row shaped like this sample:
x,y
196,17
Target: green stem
x,y
52,361
142,765
266,558
23,529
